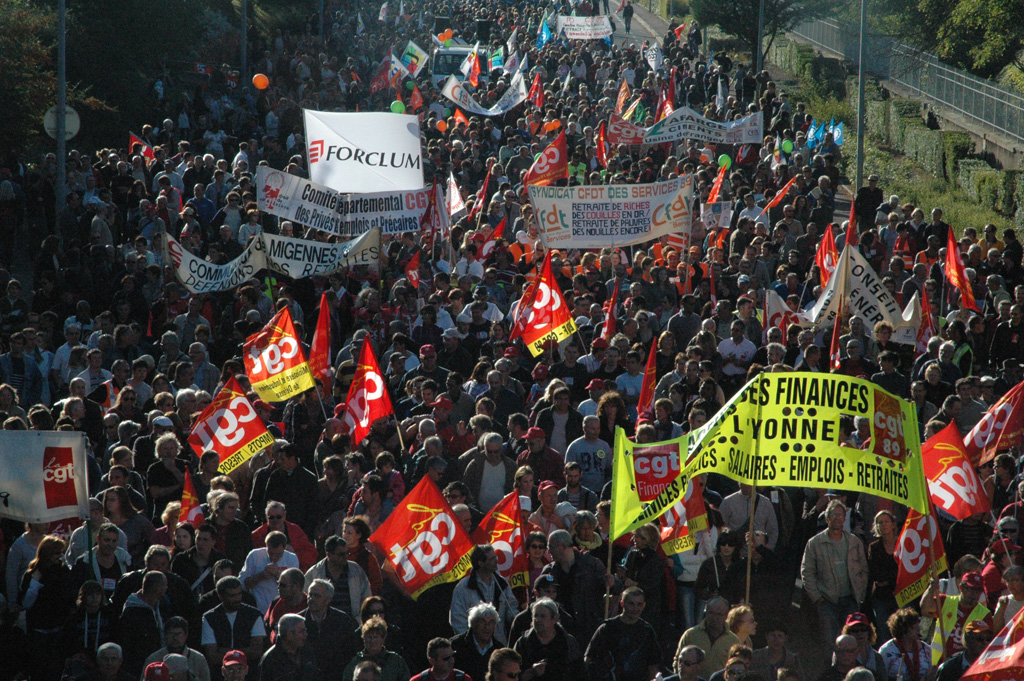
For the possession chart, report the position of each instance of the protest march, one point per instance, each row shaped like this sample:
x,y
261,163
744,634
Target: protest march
x,y
486,342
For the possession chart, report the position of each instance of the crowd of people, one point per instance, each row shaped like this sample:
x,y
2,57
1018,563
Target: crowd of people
x,y
279,580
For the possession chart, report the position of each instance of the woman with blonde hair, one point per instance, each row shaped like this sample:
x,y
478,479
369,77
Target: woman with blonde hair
x,y
47,594
741,622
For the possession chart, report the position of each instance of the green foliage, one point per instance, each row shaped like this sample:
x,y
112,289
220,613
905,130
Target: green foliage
x,y
955,147
739,17
675,9
981,35
26,70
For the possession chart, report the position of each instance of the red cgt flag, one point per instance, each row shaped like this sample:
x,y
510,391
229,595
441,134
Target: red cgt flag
x,y
1003,659
147,151
852,232
551,165
777,199
622,98
502,528
602,149
230,427
952,481
918,542
827,256
1001,428
536,94
424,541
680,31
412,270
274,361
543,314
645,403
492,240
681,523
190,504
320,350
368,398
956,275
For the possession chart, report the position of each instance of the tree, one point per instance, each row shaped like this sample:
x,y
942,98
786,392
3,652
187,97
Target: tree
x,y
26,70
739,18
983,36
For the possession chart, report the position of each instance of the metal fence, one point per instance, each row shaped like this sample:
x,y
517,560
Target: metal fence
x,y
989,105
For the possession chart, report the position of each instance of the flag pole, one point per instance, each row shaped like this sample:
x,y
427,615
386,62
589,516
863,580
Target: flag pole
x,y
321,400
935,577
608,572
750,537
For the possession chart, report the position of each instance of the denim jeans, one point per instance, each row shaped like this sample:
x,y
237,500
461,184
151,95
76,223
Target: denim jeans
x,y
832,616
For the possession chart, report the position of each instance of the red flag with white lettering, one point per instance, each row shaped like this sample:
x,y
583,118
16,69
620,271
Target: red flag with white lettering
x,y
1000,428
717,185
681,523
412,270
827,256
551,165
502,528
423,540
190,503
1003,658
544,315
952,481
919,540
368,398
492,240
231,427
536,94
602,148
147,151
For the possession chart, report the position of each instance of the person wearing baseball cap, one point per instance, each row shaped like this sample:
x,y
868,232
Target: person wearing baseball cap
x,y
547,517
955,612
1002,554
595,389
545,462
977,635
234,666
428,368
156,671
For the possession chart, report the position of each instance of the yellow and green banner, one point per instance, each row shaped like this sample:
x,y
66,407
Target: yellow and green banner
x,y
783,429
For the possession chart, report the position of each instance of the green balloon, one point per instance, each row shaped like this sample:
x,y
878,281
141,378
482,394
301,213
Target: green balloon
x,y
410,85
447,113
787,146
397,107
724,160
448,43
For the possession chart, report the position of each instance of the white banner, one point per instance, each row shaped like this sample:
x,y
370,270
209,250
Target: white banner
x,y
295,258
595,216
298,258
294,198
685,123
43,475
514,96
584,28
864,294
364,152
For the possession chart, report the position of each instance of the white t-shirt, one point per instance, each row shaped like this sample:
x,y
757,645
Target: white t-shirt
x,y
209,638
492,486
743,351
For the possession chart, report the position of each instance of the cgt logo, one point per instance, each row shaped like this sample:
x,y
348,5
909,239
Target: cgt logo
x,y
316,151
426,553
272,189
59,477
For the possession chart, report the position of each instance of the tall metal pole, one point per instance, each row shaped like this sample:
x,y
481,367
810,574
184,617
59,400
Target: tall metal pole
x,y
62,105
859,180
245,46
760,37
320,9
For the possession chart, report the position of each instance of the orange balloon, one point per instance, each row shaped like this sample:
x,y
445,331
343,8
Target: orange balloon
x,y
442,126
260,81
448,34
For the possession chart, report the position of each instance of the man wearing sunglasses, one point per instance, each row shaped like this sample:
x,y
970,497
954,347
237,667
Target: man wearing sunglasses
x,y
442,663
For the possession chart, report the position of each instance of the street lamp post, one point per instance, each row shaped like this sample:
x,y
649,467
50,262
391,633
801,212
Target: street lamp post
x,y
760,36
860,96
245,45
62,105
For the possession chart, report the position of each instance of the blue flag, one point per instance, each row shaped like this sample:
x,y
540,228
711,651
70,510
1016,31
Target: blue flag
x,y
831,125
711,57
545,35
811,132
837,134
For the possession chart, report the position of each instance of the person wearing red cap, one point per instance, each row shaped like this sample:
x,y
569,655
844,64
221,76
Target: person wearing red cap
x,y
156,671
545,462
547,517
595,389
1002,554
235,666
956,612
